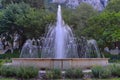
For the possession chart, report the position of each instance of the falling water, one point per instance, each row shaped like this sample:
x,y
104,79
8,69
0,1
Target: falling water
x,y
29,50
59,41
93,49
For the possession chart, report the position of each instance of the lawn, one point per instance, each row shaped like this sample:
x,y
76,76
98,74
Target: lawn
x,y
65,79
105,79
7,79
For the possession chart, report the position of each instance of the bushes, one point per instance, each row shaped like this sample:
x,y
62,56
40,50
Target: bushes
x,y
54,74
27,72
9,55
115,70
74,73
8,71
2,62
20,72
106,72
57,74
97,71
31,72
101,72
70,73
113,58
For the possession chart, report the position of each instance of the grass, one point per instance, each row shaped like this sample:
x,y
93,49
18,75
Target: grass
x,y
65,79
8,79
105,79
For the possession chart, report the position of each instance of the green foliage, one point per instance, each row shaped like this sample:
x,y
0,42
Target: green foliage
x,y
81,16
9,55
54,74
11,13
115,70
20,72
78,18
104,28
67,14
113,6
33,3
112,58
85,21
7,79
57,74
74,73
22,16
27,72
101,72
0,67
35,21
48,75
69,73
8,71
97,71
3,61
106,73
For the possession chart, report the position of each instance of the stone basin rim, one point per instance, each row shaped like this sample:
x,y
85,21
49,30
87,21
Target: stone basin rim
x,y
59,59
65,63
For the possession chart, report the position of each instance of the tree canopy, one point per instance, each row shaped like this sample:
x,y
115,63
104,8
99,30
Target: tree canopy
x,y
105,26
33,3
113,6
84,20
23,16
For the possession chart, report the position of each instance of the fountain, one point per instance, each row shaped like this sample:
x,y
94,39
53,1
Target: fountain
x,y
29,50
59,42
59,50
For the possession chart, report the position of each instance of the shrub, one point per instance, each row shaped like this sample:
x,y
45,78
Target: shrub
x,y
49,74
10,55
54,74
97,71
101,72
1,63
113,58
27,72
115,70
0,70
20,72
78,73
8,71
74,73
106,73
68,73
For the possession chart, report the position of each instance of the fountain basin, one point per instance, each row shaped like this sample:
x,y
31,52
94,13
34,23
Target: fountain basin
x,y
50,63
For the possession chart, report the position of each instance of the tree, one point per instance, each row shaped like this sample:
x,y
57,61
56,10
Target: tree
x,y
67,14
22,16
33,3
113,6
35,22
10,14
105,27
80,17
